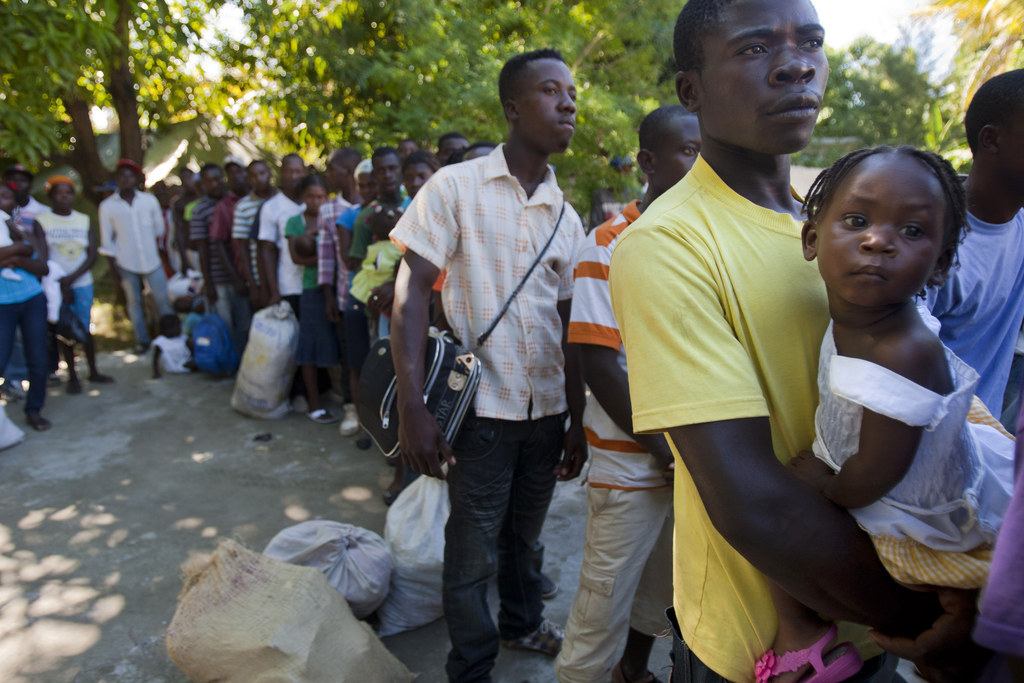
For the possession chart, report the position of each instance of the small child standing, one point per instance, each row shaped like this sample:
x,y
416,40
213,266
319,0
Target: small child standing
x,y
894,442
171,349
318,336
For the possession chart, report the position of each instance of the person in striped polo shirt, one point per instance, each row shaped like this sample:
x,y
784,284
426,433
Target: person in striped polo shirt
x,y
629,501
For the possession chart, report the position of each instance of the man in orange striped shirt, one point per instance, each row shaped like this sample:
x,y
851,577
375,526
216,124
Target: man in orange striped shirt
x,y
629,516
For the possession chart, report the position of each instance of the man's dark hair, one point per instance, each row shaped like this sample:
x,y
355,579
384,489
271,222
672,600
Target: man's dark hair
x,y
450,135
422,156
955,227
183,170
343,156
652,128
384,151
508,80
258,162
210,167
292,155
995,103
696,20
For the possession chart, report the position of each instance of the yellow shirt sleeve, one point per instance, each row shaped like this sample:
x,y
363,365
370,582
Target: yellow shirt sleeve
x,y
686,365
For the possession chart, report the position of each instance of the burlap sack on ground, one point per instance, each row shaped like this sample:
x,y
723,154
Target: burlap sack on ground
x,y
244,617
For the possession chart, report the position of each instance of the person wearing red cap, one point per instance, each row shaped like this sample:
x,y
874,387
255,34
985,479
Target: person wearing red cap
x,y
19,178
130,223
71,243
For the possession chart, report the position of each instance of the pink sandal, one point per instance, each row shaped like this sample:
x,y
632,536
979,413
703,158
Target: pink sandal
x,y
836,665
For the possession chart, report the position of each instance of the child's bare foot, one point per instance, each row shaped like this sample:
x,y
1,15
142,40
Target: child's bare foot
x,y
74,386
797,649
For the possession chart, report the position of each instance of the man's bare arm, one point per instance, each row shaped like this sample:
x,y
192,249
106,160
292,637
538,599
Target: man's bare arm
x,y
420,440
610,386
796,537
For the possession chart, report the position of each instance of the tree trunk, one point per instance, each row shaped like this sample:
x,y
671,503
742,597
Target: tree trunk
x,y
85,157
120,85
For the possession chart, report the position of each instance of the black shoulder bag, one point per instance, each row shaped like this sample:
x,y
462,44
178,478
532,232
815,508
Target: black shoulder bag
x,y
451,377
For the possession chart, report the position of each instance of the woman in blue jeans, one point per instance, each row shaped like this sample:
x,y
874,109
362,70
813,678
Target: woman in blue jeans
x,y
23,304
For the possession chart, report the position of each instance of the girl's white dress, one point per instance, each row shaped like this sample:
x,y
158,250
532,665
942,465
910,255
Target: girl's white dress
x,y
936,526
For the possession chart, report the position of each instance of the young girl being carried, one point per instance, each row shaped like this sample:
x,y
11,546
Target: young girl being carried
x,y
927,474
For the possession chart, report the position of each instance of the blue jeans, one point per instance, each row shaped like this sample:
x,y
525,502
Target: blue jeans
x,y
686,668
499,490
132,285
30,317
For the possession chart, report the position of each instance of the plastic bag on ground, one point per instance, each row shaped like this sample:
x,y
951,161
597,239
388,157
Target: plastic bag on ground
x,y
10,433
268,364
246,618
355,561
414,531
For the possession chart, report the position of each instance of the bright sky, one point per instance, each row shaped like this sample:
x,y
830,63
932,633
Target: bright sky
x,y
845,20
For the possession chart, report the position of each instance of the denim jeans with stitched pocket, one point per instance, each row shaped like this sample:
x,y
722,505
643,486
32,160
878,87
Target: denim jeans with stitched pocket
x,y
499,489
132,285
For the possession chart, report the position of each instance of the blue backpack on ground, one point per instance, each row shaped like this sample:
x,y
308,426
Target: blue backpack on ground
x,y
212,348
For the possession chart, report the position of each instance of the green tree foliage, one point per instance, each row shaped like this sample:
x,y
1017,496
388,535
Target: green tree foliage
x,y
876,95
63,58
359,73
989,39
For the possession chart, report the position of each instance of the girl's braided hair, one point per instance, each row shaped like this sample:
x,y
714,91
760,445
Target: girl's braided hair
x,y
955,228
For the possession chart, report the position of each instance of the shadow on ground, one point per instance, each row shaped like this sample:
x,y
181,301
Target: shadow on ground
x,y
98,514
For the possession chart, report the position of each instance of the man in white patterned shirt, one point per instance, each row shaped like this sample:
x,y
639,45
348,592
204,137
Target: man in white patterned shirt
x,y
484,222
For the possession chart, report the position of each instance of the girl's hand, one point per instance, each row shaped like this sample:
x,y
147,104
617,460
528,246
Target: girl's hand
x,y
331,308
810,470
382,297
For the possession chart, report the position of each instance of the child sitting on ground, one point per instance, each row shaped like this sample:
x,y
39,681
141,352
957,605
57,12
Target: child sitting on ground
x,y
172,350
927,474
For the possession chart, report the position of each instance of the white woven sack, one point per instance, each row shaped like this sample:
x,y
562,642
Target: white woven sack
x,y
246,618
268,364
10,433
414,531
355,560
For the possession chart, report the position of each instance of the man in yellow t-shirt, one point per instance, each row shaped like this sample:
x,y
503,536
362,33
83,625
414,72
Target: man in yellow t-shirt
x,y
721,320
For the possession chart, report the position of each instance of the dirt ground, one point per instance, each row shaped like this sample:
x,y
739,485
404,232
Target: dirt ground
x,y
98,514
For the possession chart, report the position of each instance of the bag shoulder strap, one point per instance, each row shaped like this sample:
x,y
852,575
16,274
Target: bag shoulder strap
x,y
487,333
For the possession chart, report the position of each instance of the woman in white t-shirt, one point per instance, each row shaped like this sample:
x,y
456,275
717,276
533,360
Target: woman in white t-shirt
x,y
71,241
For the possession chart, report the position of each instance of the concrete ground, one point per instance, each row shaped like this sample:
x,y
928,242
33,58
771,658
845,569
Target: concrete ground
x,y
98,514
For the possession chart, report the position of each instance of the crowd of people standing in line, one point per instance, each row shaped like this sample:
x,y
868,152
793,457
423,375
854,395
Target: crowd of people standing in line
x,y
810,370
225,239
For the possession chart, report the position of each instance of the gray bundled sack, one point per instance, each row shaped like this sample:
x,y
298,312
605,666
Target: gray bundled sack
x,y
355,561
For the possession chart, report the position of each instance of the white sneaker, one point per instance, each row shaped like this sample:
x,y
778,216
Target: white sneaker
x,y
350,421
